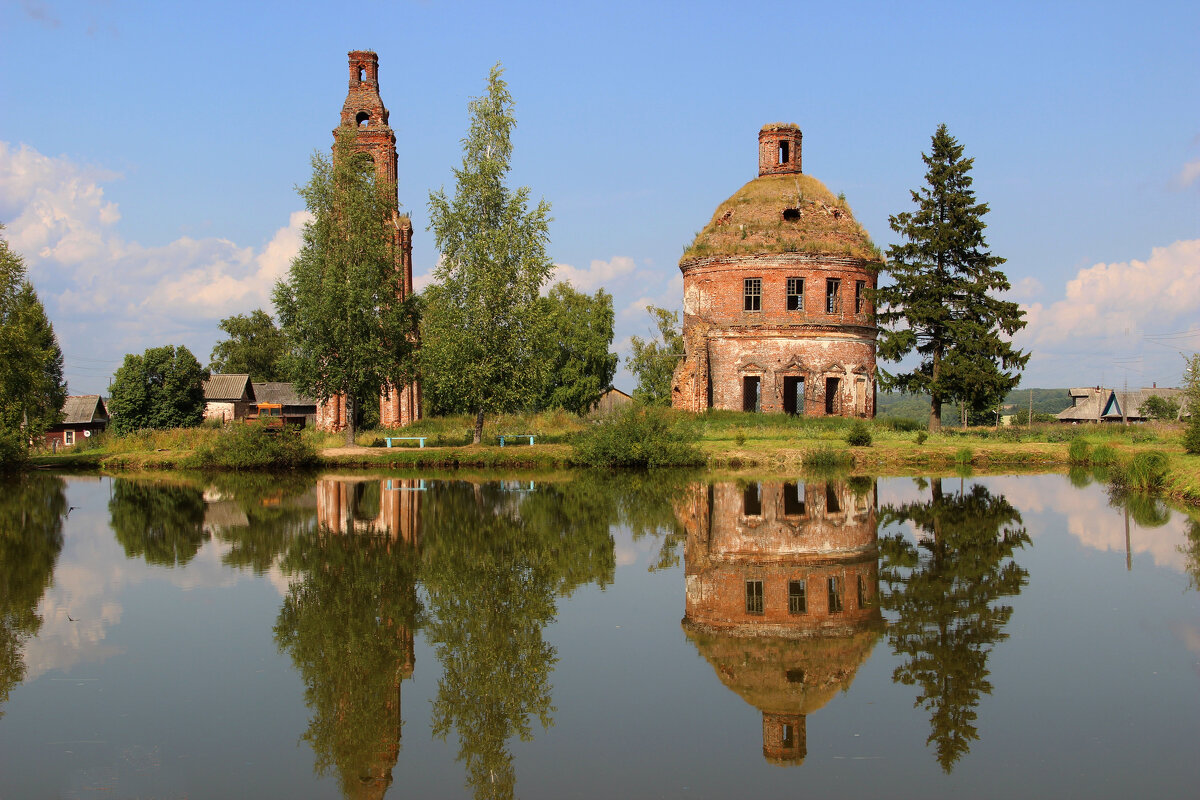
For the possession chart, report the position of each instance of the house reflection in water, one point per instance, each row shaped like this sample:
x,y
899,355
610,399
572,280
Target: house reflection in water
x,y
782,595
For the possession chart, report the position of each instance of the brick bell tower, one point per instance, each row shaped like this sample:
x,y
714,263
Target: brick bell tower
x,y
779,149
364,113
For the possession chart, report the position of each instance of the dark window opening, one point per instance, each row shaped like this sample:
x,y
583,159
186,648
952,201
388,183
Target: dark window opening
x,y
753,293
832,504
793,499
793,395
360,74
795,294
835,595
784,154
860,296
795,675
791,214
750,393
362,119
754,597
833,395
862,592
797,598
833,295
789,737
752,500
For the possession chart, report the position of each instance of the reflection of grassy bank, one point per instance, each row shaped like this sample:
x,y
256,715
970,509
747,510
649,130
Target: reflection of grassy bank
x,y
728,441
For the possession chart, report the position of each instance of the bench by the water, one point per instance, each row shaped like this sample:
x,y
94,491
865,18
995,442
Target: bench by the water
x,y
389,439
528,436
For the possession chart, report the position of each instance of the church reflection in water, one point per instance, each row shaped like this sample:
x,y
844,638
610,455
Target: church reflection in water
x,y
782,594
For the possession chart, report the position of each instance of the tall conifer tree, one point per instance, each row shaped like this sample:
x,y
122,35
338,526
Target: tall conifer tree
x,y
942,302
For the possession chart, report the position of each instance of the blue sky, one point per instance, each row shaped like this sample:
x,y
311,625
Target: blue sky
x,y
149,151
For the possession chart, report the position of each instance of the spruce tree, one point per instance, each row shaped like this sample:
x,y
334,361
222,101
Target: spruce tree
x,y
943,300
482,330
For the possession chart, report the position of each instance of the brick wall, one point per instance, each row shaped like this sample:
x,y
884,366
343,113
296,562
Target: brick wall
x,y
779,150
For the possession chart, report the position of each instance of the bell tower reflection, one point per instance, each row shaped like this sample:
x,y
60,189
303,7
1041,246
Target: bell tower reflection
x,y
782,594
360,572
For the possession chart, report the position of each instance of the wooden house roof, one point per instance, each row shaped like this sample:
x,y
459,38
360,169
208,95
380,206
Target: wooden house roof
x,y
284,394
83,409
228,389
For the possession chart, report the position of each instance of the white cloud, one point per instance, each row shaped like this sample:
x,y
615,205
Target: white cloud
x,y
599,273
1115,301
108,296
1189,174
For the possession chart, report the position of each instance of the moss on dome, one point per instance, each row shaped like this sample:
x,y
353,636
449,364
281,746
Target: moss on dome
x,y
793,213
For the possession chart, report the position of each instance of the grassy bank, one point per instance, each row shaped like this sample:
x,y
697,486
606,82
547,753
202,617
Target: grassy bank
x,y
727,440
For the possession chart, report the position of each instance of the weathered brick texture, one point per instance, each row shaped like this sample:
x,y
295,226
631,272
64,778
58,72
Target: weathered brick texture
x,y
779,150
365,113
787,332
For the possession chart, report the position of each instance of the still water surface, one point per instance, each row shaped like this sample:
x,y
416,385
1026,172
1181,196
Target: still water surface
x,y
365,637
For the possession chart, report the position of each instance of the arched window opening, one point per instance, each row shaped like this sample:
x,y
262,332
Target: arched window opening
x,y
362,119
360,74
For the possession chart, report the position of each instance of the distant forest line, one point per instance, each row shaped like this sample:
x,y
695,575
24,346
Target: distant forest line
x,y
916,406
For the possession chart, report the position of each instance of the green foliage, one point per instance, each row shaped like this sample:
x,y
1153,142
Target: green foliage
x,y
162,388
483,334
32,389
1104,455
942,303
1145,472
255,347
922,437
902,425
32,509
338,307
639,436
159,521
1191,435
252,447
859,435
1162,408
964,455
578,366
1079,451
945,591
826,458
653,360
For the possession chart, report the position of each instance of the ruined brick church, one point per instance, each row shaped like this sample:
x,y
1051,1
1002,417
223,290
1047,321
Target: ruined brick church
x,y
776,309
364,113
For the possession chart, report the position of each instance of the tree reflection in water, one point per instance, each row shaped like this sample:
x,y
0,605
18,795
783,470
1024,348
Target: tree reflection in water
x,y
159,521
495,557
348,626
31,536
943,593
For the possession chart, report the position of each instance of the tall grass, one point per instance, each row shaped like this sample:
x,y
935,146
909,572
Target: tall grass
x,y
639,436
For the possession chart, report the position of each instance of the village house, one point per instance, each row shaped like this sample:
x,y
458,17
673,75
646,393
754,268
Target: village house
x,y
1098,404
777,314
83,416
228,397
292,405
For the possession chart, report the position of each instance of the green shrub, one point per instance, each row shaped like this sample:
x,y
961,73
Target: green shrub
x,y
964,455
904,425
249,446
1146,472
1103,455
639,436
1080,452
1191,436
740,438
858,435
12,449
826,458
922,437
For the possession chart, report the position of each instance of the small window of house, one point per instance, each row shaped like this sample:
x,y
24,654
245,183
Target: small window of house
x,y
753,294
754,597
795,294
860,296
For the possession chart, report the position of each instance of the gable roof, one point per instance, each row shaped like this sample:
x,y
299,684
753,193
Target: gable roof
x,y
82,409
228,388
1132,402
282,393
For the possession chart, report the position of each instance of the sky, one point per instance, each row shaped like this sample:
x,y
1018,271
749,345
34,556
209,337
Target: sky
x,y
149,152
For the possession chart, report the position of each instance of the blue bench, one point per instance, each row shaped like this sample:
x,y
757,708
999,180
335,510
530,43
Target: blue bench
x,y
389,439
528,436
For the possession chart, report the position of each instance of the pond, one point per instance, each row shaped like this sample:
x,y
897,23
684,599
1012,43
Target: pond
x,y
595,636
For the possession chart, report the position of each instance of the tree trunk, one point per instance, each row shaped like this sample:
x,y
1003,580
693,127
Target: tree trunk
x,y
935,397
478,426
349,420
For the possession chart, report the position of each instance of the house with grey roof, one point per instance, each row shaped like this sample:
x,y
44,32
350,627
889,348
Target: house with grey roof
x,y
83,416
1098,404
228,397
285,394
